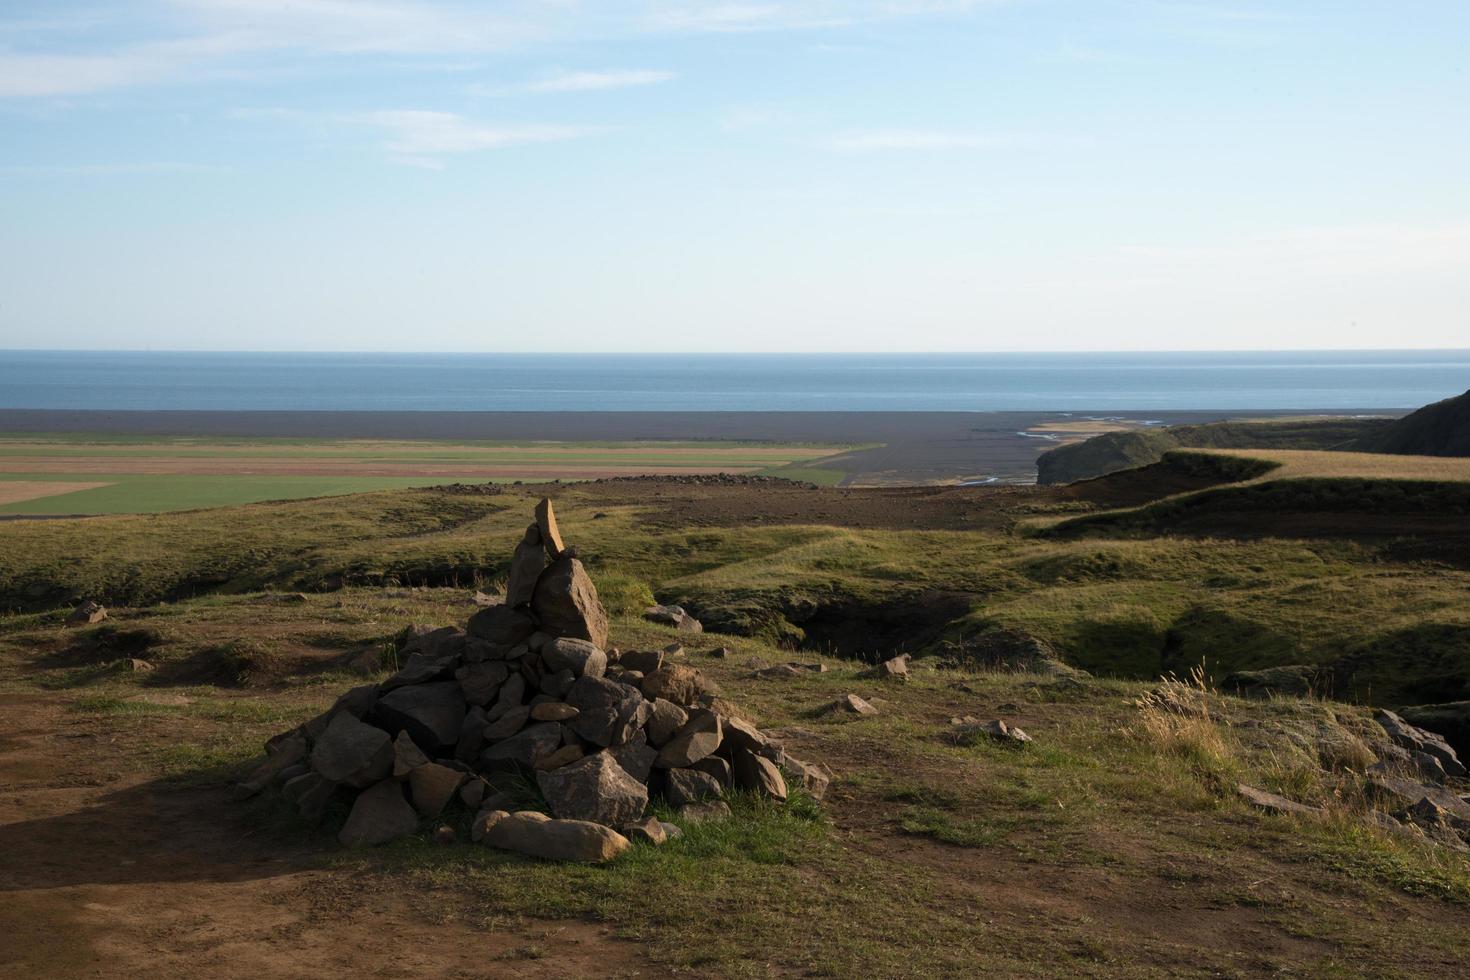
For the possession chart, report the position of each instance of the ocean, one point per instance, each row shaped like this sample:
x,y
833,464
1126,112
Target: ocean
x,y
1108,382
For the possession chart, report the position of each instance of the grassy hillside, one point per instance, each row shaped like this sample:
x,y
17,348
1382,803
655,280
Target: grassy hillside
x,y
1441,429
1237,578
1114,451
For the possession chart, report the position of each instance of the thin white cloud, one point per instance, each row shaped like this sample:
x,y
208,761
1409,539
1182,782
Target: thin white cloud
x,y
879,140
419,133
594,81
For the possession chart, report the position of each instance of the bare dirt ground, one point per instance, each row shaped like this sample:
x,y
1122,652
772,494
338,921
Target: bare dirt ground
x,y
106,872
15,491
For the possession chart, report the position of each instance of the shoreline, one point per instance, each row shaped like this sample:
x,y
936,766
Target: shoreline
x,y
911,447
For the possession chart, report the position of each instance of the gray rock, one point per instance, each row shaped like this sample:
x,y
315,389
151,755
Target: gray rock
x,y
512,693
1450,720
432,786
484,820
473,792
87,613
419,668
406,756
683,786
1418,740
896,669
553,711
523,748
525,568
852,704
558,684
697,738
550,533
758,775
481,682
352,752
581,657
596,789
507,724
1272,803
681,684
704,812
566,603
741,734
379,815
1407,792
636,756
608,713
812,778
471,736
643,661
357,702
536,835
564,756
431,714
310,793
649,831
673,616
713,765
969,730
282,755
501,626
665,718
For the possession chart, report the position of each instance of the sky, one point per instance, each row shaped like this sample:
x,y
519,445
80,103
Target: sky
x,y
767,175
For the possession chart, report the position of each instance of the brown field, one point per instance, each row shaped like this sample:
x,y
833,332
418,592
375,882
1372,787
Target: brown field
x,y
163,466
1301,463
13,492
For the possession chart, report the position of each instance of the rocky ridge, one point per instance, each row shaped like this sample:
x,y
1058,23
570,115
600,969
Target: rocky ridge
x,y
530,691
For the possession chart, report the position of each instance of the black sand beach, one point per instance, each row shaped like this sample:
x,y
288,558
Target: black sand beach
x,y
913,447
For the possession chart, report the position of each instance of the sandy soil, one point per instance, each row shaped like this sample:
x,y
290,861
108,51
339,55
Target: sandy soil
x,y
15,491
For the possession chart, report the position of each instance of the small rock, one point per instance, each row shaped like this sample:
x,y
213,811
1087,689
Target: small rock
x,y
759,775
535,835
853,704
814,779
550,534
508,724
665,718
702,812
379,815
636,756
690,786
581,657
1272,803
85,614
525,568
713,765
483,821
968,730
678,683
721,652
643,661
673,616
779,672
473,792
406,756
501,626
138,666
481,682
608,712
432,786
697,738
896,669
311,793
649,831
444,834
523,748
563,756
553,711
352,752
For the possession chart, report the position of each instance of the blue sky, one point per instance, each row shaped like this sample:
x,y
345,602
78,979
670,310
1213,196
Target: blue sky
x,y
612,175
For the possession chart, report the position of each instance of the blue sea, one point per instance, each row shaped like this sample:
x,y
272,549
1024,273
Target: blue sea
x,y
730,382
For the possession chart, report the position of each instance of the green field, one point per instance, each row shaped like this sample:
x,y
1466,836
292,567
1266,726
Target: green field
x,y
157,474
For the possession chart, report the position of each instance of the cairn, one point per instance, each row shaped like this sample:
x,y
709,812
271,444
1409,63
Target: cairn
x,y
529,694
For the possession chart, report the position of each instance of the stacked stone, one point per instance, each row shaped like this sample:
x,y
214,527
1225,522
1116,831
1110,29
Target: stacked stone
x,y
529,688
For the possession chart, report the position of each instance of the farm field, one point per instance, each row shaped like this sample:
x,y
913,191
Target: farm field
x,y
1309,463
84,475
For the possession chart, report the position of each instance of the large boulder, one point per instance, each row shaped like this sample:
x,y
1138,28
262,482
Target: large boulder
x,y
595,788
379,815
608,713
566,603
352,752
525,569
699,737
501,626
431,714
536,835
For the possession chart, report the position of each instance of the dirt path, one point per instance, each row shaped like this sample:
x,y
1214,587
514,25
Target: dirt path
x,y
104,873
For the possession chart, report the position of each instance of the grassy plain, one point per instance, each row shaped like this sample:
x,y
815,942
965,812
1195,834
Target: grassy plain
x,y
95,474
